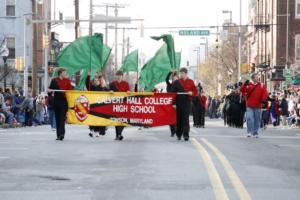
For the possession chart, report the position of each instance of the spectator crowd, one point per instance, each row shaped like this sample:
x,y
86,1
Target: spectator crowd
x,y
17,110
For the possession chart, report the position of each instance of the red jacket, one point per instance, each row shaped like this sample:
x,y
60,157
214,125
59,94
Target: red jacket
x,y
122,86
189,86
202,100
254,99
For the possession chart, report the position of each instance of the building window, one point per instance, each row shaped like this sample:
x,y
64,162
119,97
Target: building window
x,y
10,8
11,45
297,48
297,13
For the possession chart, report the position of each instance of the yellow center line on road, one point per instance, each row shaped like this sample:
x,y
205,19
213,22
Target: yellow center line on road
x,y
213,174
234,179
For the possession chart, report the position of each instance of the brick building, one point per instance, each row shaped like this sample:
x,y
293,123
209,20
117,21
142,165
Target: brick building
x,y
15,20
270,51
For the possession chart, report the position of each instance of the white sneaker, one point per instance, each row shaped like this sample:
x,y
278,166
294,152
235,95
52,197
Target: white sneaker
x,y
249,135
97,135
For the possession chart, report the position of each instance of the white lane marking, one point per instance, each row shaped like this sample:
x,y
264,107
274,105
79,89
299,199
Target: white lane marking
x,y
262,136
234,178
216,182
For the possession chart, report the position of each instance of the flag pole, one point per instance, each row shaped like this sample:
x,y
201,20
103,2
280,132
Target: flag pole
x,y
137,71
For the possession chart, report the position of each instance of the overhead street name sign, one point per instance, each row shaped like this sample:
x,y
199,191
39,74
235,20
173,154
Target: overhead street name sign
x,y
194,32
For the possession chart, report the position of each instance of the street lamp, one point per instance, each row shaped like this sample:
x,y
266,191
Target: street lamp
x,y
25,86
198,62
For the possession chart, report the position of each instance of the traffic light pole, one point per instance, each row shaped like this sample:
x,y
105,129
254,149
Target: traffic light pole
x,y
46,43
25,86
240,44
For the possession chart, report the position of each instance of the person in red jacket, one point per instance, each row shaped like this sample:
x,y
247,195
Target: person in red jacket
x,y
202,102
119,85
256,94
183,103
60,101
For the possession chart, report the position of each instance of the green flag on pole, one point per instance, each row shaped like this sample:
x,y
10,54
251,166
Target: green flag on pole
x,y
130,63
105,55
168,39
83,53
178,60
153,72
156,69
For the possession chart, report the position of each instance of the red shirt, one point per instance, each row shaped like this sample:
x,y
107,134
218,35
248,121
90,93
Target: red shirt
x,y
189,86
122,86
202,100
254,100
64,84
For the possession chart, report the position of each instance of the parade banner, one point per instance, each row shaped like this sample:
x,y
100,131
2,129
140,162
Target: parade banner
x,y
120,108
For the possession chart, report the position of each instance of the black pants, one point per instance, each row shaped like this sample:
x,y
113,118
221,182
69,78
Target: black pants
x,y
173,129
28,117
183,123
201,116
60,117
100,129
196,115
119,130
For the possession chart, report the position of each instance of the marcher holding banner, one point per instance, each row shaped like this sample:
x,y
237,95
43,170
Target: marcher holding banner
x,y
98,84
183,103
60,101
169,89
119,85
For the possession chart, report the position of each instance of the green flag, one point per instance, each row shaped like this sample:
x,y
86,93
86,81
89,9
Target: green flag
x,y
178,60
168,39
156,69
130,63
105,55
83,53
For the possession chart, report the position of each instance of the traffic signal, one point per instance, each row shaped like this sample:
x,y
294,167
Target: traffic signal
x,y
217,43
19,63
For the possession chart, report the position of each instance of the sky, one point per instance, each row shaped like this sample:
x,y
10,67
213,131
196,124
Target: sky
x,y
158,13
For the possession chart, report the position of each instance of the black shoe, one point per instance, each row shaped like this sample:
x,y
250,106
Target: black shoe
x,y
178,138
121,137
102,133
186,139
61,138
91,134
172,134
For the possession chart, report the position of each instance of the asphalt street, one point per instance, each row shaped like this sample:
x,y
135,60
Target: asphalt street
x,y
217,163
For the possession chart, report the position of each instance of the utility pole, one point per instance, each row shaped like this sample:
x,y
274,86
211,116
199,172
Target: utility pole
x,y
128,45
287,34
106,25
91,18
123,45
46,43
35,50
116,38
77,25
240,43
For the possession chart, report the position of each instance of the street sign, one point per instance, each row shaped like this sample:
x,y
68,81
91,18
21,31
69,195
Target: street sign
x,y
194,32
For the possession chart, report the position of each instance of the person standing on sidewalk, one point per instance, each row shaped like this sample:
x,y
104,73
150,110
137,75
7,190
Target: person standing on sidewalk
x,y
60,101
256,94
183,103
